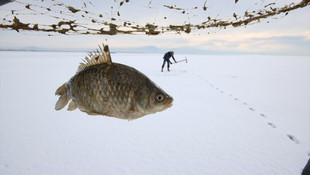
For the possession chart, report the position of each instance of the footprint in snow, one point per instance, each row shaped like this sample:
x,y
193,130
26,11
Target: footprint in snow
x,y
272,125
263,115
293,138
251,109
236,99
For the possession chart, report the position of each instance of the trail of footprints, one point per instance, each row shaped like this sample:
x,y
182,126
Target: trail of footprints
x,y
291,137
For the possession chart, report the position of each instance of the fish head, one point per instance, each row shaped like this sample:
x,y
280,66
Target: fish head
x,y
152,99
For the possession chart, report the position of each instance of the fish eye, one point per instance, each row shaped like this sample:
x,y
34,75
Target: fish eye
x,y
159,97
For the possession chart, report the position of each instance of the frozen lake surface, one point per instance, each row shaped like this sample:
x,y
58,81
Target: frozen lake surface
x,y
231,115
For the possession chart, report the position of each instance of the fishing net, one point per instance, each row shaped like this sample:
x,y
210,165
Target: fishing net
x,y
145,17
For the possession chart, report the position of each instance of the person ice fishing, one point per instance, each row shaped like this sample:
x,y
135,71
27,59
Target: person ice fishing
x,y
167,57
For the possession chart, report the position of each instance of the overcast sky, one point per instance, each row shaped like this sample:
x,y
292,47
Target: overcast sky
x,y
289,35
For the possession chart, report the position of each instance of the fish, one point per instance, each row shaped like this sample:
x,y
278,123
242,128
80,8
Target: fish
x,y
102,87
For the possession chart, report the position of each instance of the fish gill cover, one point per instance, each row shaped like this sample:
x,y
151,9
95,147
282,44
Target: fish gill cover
x,y
144,17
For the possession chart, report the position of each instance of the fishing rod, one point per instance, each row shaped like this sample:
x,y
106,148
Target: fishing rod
x,y
182,60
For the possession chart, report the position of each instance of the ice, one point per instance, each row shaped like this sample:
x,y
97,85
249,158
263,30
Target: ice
x,y
231,115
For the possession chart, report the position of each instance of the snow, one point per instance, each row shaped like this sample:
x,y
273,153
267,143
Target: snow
x,y
231,115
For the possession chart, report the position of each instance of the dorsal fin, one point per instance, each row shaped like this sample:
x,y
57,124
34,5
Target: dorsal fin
x,y
96,57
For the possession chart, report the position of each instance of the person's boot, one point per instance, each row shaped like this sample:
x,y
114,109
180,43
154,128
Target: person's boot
x,y
162,69
168,69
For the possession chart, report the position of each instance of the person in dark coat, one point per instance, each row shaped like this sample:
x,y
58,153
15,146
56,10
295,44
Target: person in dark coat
x,y
167,57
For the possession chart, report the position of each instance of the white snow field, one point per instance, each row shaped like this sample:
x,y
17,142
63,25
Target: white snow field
x,y
232,115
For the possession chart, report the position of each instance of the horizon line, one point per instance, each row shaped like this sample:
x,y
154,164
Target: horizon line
x,y
150,49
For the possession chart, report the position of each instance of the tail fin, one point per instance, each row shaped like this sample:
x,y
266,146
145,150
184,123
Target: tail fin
x,y
63,99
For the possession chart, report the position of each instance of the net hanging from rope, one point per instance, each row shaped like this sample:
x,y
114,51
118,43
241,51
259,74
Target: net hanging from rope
x,y
138,17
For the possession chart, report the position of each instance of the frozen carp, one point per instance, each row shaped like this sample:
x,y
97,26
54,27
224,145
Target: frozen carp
x,y
101,87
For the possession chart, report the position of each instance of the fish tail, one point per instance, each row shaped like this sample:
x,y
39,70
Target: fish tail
x,y
63,99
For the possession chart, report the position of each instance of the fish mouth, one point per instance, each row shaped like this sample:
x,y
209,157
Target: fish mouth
x,y
170,102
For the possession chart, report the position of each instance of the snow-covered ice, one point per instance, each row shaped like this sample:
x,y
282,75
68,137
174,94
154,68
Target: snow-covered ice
x,y
231,115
